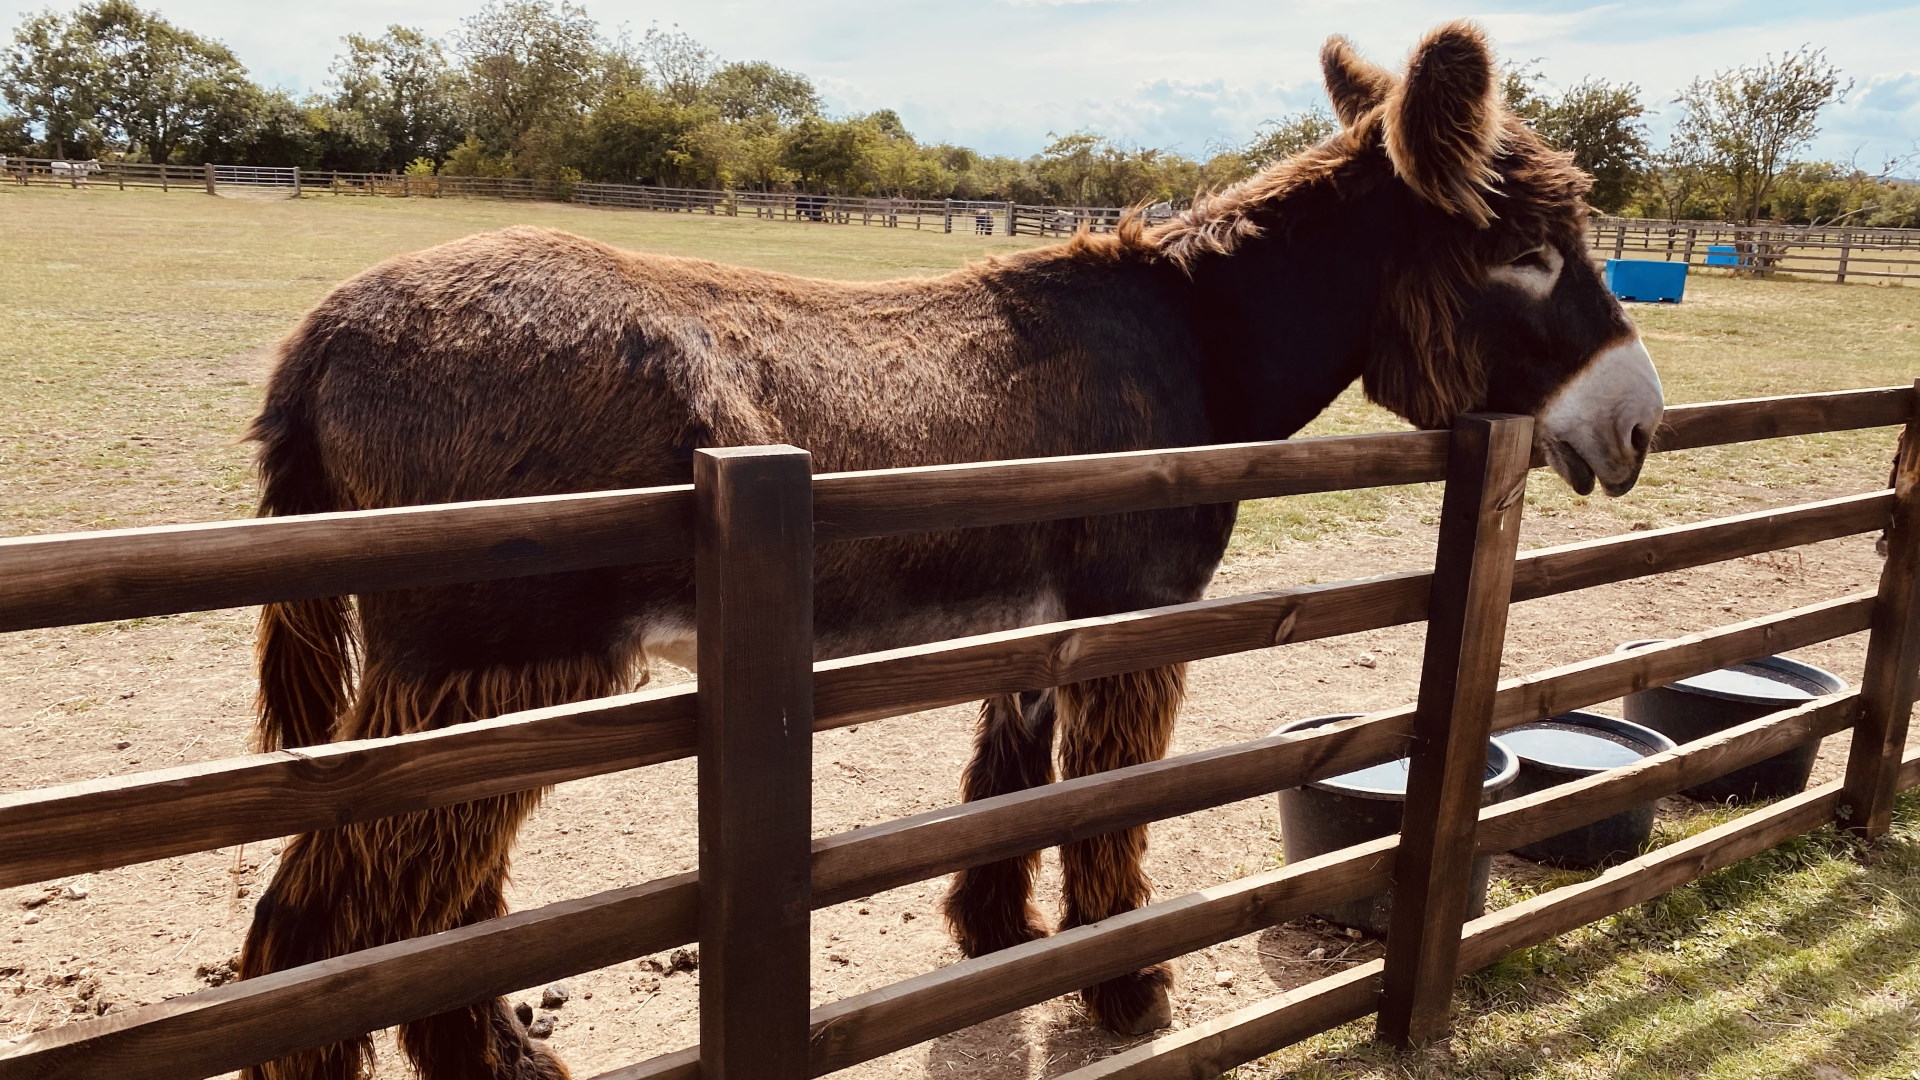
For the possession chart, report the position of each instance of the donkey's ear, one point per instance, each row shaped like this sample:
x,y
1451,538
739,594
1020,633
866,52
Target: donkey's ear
x,y
1356,86
1444,123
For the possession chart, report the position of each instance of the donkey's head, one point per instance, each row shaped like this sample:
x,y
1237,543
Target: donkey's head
x,y
1460,235
1489,300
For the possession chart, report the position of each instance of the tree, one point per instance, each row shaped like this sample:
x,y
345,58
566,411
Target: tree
x,y
531,72
831,154
402,83
1287,136
50,78
1599,123
1746,125
160,86
680,65
744,91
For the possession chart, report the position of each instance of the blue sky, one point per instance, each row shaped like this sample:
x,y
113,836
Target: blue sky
x,y
1000,74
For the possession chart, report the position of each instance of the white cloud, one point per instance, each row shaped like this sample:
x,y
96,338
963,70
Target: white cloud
x,y
1000,76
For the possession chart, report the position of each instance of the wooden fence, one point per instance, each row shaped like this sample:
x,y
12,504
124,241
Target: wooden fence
x,y
750,521
1841,252
1764,250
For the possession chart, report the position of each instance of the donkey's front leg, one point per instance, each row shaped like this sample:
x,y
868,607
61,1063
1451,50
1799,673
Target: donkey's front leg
x,y
1108,724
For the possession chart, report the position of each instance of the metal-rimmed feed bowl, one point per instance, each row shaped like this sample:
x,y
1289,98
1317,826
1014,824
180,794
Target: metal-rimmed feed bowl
x,y
1364,805
1704,704
1571,746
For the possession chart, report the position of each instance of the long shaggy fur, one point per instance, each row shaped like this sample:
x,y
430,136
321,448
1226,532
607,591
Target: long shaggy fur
x,y
380,881
1107,724
988,907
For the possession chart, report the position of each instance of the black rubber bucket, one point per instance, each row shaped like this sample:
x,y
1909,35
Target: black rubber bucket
x,y
1571,746
1364,805
1695,708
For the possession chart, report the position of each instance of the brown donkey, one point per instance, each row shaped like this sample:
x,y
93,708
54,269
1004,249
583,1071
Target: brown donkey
x,y
1432,249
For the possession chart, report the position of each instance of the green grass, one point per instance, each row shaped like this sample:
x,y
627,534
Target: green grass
x,y
1802,962
131,322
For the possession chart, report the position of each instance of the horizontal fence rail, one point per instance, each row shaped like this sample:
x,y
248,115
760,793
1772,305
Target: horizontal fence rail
x,y
117,574
115,820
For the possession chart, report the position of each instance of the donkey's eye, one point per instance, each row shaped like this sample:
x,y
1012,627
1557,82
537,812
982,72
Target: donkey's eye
x,y
1532,260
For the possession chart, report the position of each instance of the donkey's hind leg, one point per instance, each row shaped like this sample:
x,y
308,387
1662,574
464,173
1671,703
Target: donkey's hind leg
x,y
988,907
368,884
1111,723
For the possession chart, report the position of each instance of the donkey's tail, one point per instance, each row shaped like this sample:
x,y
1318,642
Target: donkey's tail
x,y
305,648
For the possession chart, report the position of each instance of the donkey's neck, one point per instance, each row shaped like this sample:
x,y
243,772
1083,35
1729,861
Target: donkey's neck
x,y
1286,321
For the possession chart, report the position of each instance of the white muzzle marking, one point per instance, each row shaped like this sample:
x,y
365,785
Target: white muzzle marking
x,y
1599,425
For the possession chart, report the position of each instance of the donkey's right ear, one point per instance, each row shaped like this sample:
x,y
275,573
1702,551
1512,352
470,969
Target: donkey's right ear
x,y
1356,86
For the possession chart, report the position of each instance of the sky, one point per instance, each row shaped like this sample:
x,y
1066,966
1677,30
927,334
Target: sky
x,y
1000,75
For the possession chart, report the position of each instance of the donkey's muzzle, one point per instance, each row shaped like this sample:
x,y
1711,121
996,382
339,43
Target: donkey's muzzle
x,y
1601,423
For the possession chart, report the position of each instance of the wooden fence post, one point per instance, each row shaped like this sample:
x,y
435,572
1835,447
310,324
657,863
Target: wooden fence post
x,y
1893,653
208,170
296,181
1619,239
1466,628
753,579
1846,248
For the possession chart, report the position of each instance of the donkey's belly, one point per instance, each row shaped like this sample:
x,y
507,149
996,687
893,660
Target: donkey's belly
x,y
669,634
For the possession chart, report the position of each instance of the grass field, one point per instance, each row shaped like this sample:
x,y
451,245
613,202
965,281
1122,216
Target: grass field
x,y
132,335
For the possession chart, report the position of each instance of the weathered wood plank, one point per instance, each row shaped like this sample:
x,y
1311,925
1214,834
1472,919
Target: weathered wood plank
x,y
892,502
1493,936
753,599
1207,1050
1466,635
1569,567
1554,810
72,578
228,1027
1719,423
1892,668
116,820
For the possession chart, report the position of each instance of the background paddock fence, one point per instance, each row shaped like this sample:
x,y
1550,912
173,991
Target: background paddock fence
x,y
1818,251
750,521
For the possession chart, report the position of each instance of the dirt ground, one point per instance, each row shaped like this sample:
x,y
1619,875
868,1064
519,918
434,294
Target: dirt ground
x,y
93,701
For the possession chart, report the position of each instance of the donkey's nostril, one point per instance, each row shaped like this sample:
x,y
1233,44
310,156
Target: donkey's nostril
x,y
1641,438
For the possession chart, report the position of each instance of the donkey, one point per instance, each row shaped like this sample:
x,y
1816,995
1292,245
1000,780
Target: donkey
x,y
1431,249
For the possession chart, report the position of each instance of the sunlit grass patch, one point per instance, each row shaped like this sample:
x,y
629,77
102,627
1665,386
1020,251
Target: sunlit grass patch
x,y
1802,962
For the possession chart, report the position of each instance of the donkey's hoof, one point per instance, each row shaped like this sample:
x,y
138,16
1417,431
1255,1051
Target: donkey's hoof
x,y
1135,1003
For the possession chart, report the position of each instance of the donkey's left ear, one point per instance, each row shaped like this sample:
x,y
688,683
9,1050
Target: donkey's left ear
x,y
1443,122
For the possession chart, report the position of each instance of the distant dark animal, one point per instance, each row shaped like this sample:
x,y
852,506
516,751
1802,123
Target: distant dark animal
x,y
1432,249
811,207
983,222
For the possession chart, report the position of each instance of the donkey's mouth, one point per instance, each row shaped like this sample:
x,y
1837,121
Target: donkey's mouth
x,y
1572,468
1580,475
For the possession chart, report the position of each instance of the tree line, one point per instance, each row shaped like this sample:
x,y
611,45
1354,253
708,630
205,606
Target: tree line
x,y
536,89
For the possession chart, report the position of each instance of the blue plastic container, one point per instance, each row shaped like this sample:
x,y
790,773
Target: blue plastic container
x,y
1647,282
1723,255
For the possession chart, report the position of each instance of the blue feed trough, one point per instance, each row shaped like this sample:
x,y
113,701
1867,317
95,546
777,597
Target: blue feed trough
x,y
1723,255
1647,282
